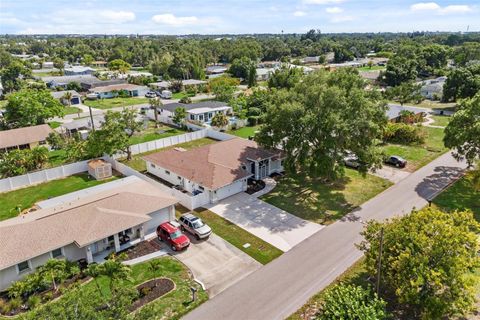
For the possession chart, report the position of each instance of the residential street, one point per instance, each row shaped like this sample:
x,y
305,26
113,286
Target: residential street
x,y
278,289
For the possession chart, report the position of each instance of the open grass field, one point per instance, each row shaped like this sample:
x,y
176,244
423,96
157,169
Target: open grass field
x,y
138,163
372,68
324,203
152,133
245,132
442,121
419,155
114,102
72,110
25,198
259,250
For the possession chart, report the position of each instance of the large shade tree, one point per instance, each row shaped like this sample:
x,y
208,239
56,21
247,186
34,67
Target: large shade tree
x,y
427,260
322,119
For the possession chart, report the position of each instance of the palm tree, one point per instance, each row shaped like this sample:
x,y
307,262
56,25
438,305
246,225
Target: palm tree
x,y
115,271
67,97
220,120
38,157
155,103
154,266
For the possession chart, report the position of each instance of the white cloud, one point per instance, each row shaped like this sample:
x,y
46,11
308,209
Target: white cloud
x,y
334,10
434,7
322,1
116,16
339,19
299,13
172,20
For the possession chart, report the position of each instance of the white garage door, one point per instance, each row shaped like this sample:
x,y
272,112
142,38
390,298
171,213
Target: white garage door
x,y
158,218
230,190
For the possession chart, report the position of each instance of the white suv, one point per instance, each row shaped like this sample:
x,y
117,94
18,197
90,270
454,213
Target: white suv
x,y
195,226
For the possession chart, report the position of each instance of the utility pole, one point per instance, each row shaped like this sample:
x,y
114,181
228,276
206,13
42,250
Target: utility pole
x,y
379,267
91,118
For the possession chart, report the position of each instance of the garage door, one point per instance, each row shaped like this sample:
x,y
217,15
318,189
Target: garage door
x,y
75,100
158,218
230,190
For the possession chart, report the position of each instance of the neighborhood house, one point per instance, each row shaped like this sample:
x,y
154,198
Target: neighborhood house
x,y
394,111
201,112
78,70
86,226
215,171
24,138
60,95
112,91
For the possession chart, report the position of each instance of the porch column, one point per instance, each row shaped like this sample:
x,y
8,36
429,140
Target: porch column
x,y
257,170
117,242
88,250
142,232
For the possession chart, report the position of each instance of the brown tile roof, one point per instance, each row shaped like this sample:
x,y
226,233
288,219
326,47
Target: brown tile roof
x,y
81,223
214,165
117,87
16,137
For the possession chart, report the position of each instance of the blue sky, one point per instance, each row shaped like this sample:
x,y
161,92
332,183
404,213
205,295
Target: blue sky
x,y
234,16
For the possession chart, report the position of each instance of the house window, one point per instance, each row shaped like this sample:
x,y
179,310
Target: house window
x,y
23,266
201,188
192,117
167,172
57,253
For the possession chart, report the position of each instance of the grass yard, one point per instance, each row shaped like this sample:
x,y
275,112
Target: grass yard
x,y
172,305
245,132
138,164
25,198
152,133
72,110
54,124
324,203
450,106
259,250
56,158
460,195
419,155
114,102
180,95
442,121
373,68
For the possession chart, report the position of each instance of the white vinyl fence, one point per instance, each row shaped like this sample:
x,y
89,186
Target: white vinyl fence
x,y
37,177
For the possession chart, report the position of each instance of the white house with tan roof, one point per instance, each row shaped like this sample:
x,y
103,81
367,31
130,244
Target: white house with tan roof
x,y
113,90
215,171
86,224
24,138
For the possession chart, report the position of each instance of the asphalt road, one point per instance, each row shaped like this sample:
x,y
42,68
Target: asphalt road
x,y
281,287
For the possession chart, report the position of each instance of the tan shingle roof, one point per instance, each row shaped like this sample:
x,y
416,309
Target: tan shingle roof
x,y
16,137
81,223
117,87
214,165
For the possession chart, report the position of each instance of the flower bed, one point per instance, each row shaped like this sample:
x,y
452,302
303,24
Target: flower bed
x,y
139,250
152,290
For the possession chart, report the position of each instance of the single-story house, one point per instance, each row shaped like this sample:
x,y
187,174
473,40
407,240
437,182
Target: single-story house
x,y
99,63
78,70
162,85
24,138
394,110
263,74
216,171
433,88
112,91
85,227
216,69
314,59
83,124
201,112
47,65
86,81
59,95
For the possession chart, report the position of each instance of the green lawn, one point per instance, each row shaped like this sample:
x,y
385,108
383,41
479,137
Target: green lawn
x,y
54,124
173,305
461,195
72,110
114,102
180,95
324,203
138,163
26,197
259,250
373,68
152,133
245,132
419,155
431,105
442,121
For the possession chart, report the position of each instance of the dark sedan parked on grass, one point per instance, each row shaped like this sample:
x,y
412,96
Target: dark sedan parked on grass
x,y
396,161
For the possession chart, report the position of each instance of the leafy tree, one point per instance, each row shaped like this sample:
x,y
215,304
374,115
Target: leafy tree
x,y
220,120
467,52
155,103
462,83
351,302
17,162
427,257
176,85
400,69
179,116
114,135
31,107
12,76
285,77
223,88
252,76
341,55
463,131
405,92
59,63
74,86
323,118
155,266
119,65
87,59
241,68
55,140
435,57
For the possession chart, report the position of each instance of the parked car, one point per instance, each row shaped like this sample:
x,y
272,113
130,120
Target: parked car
x,y
166,94
396,161
351,161
173,236
150,94
195,226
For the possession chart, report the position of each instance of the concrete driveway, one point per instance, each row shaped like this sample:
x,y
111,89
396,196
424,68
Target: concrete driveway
x,y
393,174
216,263
271,224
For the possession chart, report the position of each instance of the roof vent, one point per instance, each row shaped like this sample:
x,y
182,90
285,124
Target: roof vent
x,y
180,149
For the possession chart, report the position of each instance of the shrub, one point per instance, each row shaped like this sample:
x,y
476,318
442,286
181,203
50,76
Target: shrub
x,y
33,301
3,305
47,296
403,133
191,90
185,100
145,291
15,303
